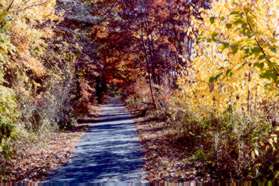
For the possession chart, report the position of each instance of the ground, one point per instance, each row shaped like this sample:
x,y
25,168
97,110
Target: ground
x,y
48,154
166,155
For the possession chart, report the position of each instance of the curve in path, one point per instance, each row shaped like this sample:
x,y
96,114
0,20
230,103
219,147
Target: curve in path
x,y
109,152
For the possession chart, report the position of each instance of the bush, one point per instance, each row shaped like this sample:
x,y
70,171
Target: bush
x,y
8,118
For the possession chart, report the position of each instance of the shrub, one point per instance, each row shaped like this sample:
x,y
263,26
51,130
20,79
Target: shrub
x,y
8,118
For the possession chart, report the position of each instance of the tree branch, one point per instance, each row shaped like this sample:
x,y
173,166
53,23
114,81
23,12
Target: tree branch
x,y
29,6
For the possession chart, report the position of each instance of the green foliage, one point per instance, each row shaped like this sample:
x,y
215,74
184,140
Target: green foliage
x,y
199,155
8,104
8,117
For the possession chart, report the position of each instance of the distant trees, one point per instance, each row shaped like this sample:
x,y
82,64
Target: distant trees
x,y
146,38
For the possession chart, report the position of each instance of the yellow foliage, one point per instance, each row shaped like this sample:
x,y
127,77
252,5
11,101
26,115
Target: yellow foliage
x,y
224,73
34,65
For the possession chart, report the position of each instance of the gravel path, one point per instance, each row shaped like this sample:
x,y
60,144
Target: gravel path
x,y
109,152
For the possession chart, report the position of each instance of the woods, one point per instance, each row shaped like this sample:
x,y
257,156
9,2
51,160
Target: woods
x,y
39,84
211,67
233,85
205,72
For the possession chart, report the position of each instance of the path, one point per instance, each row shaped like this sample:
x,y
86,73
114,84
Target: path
x,y
109,152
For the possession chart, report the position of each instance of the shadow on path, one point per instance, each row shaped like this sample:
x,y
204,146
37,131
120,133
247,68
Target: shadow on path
x,y
109,152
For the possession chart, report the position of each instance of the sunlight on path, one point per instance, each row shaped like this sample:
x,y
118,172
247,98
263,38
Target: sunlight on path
x,y
109,152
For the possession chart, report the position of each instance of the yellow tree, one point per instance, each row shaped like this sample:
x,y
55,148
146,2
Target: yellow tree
x,y
234,79
237,54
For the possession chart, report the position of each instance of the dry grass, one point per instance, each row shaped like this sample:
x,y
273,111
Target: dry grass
x,y
167,155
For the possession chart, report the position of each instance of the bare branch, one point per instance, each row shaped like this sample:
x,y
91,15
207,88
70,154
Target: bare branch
x,y
29,7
